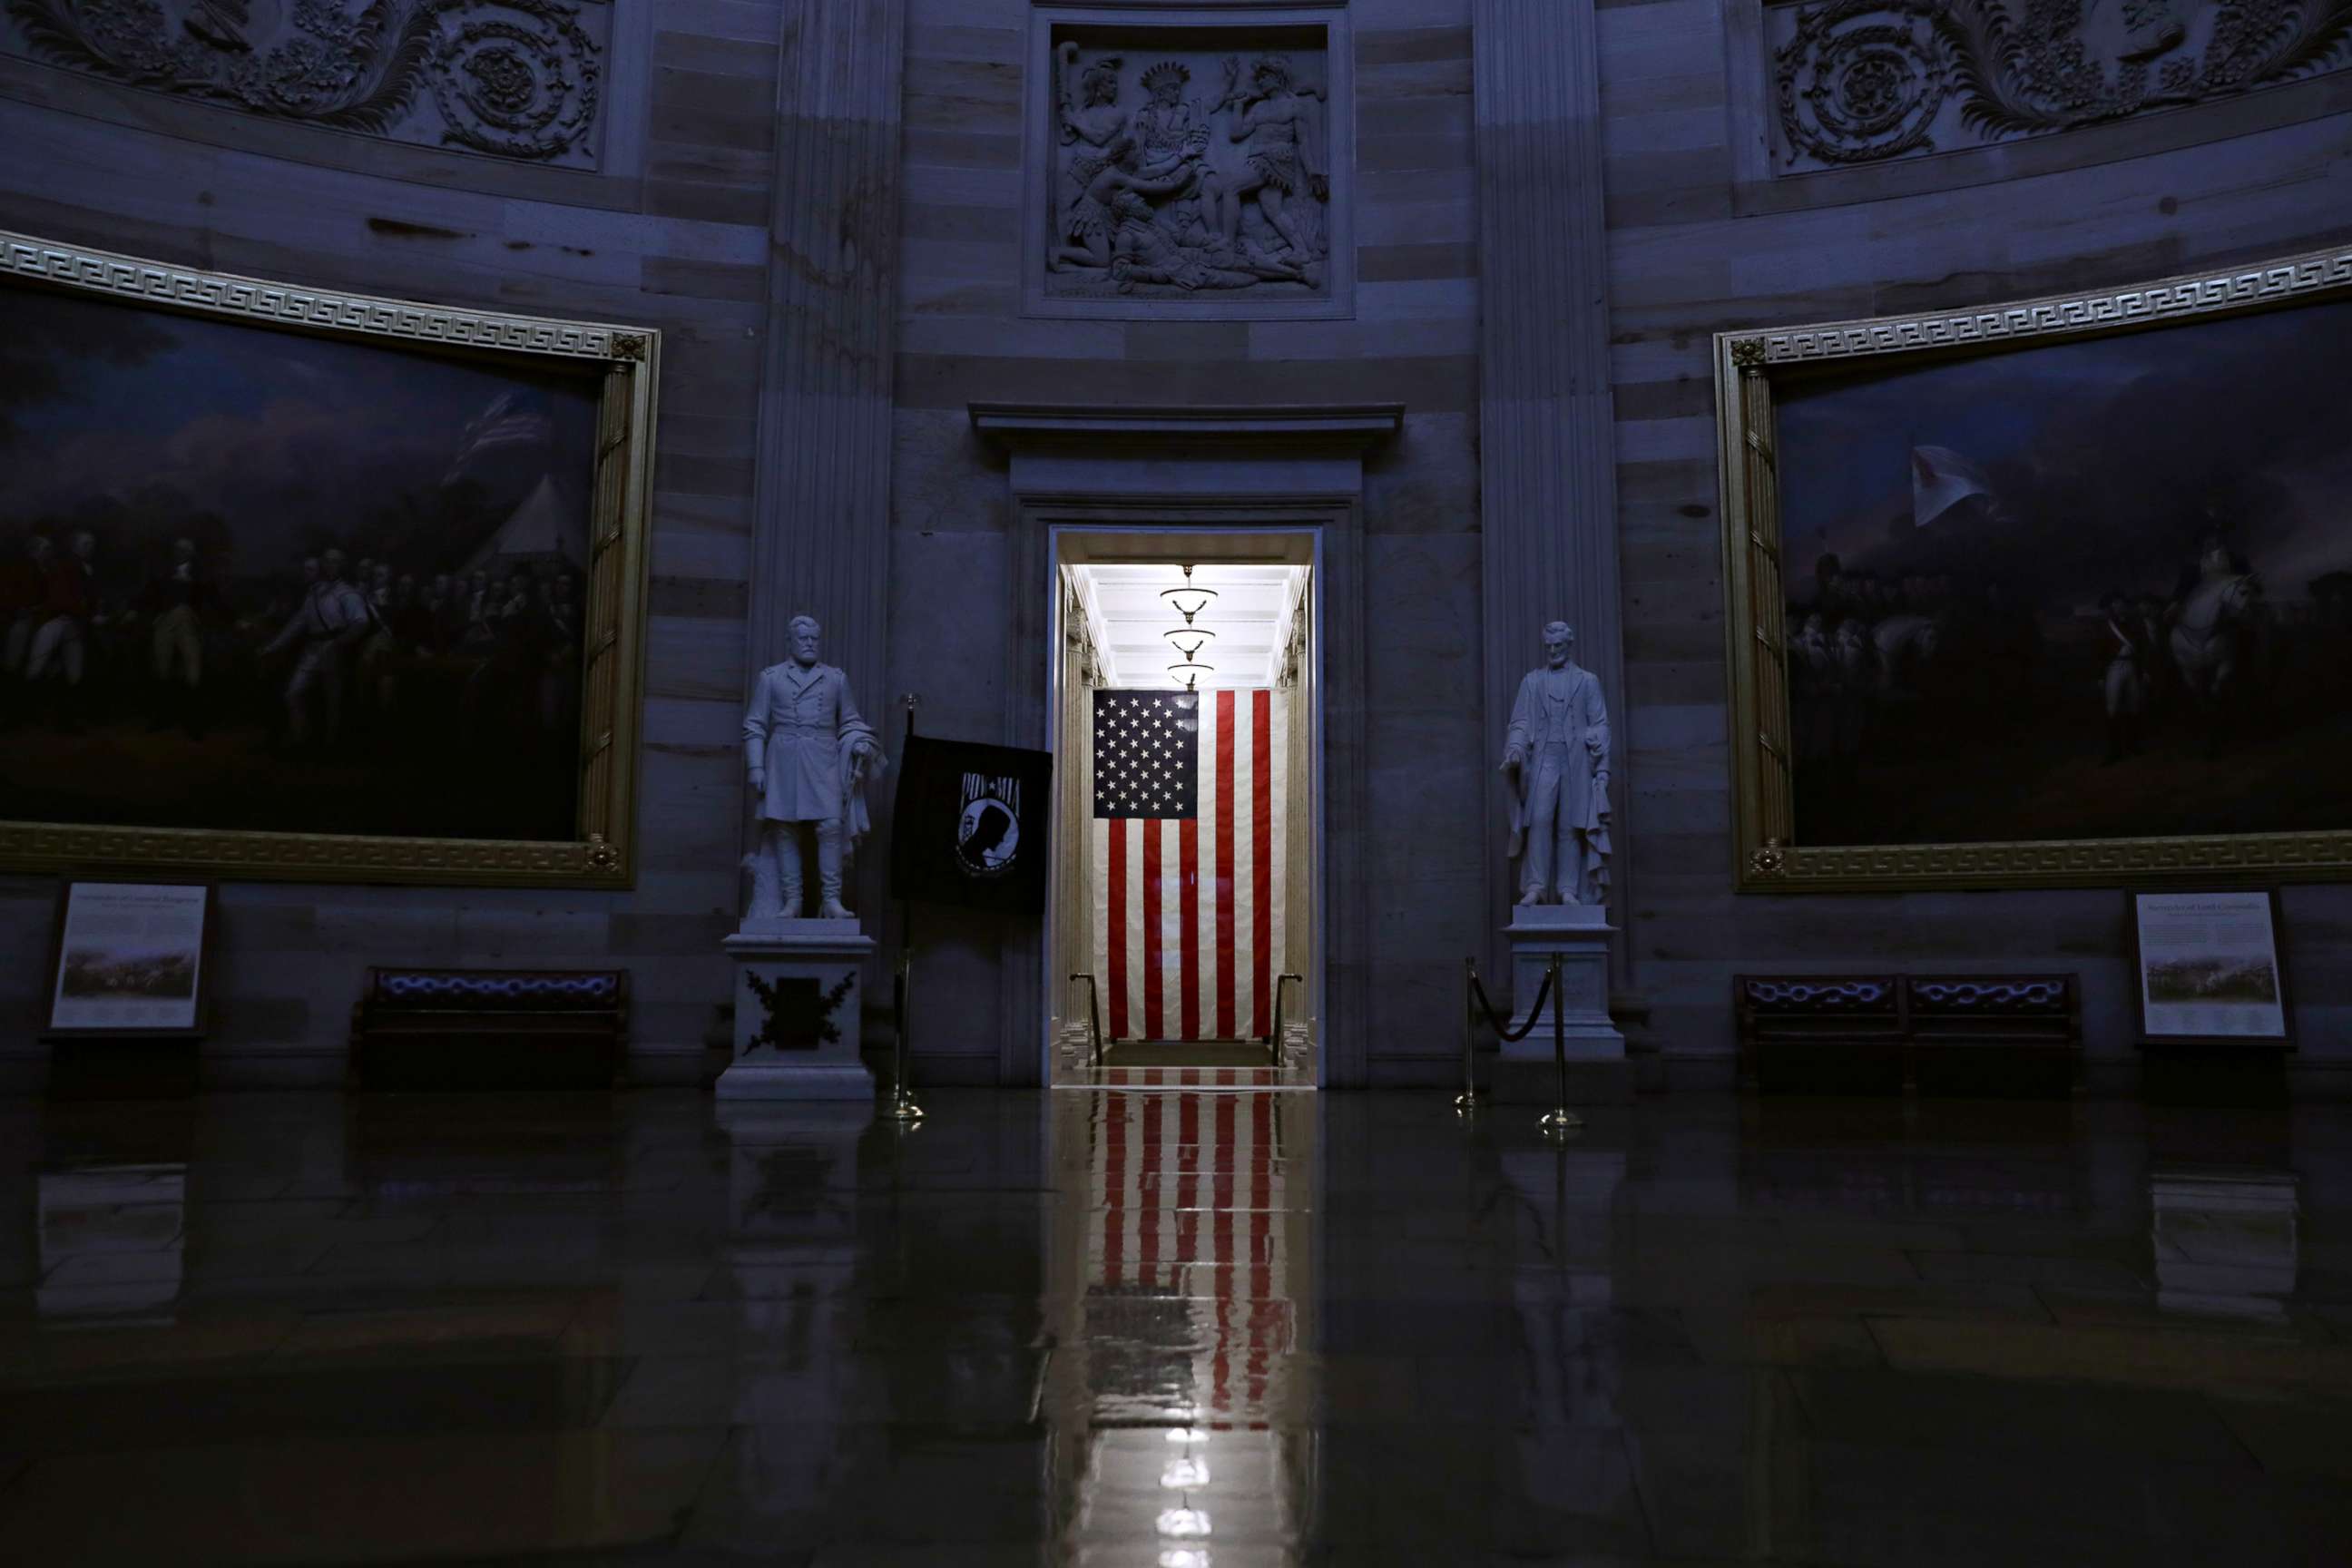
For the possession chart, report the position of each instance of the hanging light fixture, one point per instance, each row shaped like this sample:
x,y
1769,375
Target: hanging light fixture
x,y
1190,669
1177,598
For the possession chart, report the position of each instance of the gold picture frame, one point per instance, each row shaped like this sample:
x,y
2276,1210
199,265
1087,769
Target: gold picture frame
x,y
620,366
1748,367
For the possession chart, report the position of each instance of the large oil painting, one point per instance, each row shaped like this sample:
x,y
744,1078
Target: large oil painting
x,y
256,580
2089,590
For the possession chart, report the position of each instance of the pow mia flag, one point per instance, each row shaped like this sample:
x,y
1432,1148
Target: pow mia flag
x,y
969,825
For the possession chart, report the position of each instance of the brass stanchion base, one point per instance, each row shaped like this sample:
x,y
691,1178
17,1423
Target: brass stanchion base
x,y
1470,1099
904,1109
1562,1122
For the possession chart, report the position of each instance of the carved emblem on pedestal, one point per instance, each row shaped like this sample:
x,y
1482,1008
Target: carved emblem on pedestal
x,y
795,1015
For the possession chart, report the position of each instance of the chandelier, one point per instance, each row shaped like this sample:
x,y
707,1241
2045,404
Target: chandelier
x,y
1188,639
1176,597
1189,668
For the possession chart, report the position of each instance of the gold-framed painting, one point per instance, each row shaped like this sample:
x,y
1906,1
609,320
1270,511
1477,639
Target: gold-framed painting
x,y
2050,593
300,585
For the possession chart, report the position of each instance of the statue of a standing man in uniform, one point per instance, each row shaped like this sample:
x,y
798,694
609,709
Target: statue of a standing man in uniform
x,y
1557,758
809,753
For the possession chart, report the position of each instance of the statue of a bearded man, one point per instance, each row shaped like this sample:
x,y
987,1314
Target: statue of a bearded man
x,y
1557,758
808,753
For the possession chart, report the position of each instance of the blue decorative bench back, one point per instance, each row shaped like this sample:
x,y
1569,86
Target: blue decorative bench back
x,y
497,989
1820,995
2041,995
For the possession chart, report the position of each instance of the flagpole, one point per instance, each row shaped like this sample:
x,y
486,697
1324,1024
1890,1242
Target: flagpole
x,y
903,1108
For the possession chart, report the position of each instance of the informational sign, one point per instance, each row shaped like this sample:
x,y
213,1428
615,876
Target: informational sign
x,y
129,957
2208,967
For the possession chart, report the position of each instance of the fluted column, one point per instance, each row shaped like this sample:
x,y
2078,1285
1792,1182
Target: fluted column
x,y
1548,512
822,518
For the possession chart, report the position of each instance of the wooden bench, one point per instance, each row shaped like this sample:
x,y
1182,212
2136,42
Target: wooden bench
x,y
1943,1035
1821,1033
1995,1036
490,1028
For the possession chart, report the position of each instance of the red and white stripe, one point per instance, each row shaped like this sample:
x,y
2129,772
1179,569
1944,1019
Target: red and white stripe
x,y
1189,925
1190,1200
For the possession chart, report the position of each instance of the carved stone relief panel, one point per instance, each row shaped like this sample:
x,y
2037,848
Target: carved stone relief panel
x,y
1866,81
516,79
1188,164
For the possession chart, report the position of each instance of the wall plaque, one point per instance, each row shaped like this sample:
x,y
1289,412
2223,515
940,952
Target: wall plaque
x,y
1195,164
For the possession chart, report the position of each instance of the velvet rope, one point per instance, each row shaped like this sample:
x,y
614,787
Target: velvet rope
x,y
1500,1024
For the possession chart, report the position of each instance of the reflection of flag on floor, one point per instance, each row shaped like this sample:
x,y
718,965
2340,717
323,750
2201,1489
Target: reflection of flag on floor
x,y
1940,479
513,420
1189,835
1190,1205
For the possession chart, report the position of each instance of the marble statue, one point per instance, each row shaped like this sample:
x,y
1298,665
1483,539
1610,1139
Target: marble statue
x,y
1170,198
809,755
1556,756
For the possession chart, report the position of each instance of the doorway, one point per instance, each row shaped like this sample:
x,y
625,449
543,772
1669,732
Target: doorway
x,y
1184,717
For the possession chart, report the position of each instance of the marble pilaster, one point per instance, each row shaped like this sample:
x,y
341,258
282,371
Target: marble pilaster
x,y
1548,462
823,507
821,518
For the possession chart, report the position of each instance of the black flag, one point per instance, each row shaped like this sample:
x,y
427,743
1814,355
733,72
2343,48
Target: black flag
x,y
969,825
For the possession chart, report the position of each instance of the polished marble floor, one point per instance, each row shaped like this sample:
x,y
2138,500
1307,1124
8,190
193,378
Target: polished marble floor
x,y
1190,1329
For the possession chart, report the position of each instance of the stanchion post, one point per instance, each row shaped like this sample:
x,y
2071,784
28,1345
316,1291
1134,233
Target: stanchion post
x,y
903,1108
1467,1100
902,1100
1094,1017
1560,1120
1273,1040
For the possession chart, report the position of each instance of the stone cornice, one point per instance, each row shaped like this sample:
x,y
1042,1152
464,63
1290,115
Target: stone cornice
x,y
1357,427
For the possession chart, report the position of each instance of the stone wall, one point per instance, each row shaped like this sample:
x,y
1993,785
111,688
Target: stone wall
x,y
669,231
1702,239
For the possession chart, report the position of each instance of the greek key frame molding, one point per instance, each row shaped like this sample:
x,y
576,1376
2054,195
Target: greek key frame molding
x,y
603,852
1765,857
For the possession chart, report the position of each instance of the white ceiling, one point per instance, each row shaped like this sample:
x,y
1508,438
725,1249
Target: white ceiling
x,y
1250,615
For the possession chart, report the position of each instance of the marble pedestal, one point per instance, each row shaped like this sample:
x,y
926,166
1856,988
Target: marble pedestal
x,y
1598,1073
783,951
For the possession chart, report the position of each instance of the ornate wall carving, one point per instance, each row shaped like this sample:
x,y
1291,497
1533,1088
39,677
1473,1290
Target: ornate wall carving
x,y
1867,82
1190,167
516,79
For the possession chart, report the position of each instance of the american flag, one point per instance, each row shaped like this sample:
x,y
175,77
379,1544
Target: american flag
x,y
511,420
1189,835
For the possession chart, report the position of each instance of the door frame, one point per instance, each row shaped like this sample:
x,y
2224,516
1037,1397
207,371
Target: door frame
x,y
1057,534
1246,470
